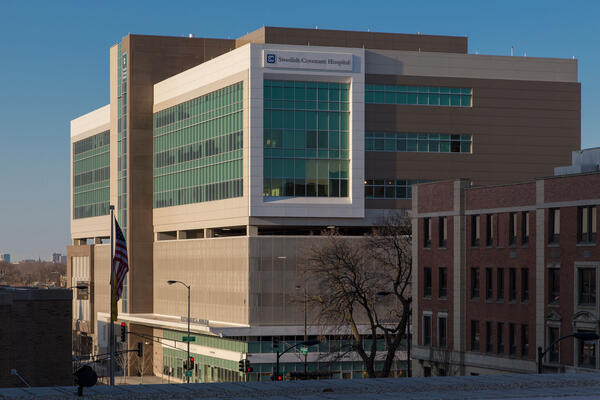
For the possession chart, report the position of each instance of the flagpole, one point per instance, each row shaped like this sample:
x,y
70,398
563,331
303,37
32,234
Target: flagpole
x,y
112,324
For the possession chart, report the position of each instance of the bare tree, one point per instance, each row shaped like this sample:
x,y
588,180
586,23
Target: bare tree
x,y
444,362
352,277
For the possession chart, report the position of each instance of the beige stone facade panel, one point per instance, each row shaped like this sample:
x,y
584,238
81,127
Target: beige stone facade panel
x,y
217,271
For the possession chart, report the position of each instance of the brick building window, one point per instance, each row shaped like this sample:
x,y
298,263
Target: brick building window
x,y
489,230
512,229
586,224
500,284
427,282
586,352
524,228
443,231
500,338
475,284
512,345
524,341
443,281
554,226
488,337
427,232
427,330
554,353
512,284
489,291
586,284
524,285
442,330
475,335
475,223
553,285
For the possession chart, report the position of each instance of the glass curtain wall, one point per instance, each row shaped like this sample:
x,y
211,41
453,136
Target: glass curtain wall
x,y
198,149
418,95
306,139
91,176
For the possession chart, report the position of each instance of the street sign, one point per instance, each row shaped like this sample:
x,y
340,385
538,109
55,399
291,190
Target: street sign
x,y
188,373
189,338
303,349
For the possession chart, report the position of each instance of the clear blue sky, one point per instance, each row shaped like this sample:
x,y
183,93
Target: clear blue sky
x,y
54,67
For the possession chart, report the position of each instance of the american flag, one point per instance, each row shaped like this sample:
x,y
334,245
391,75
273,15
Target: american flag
x,y
120,261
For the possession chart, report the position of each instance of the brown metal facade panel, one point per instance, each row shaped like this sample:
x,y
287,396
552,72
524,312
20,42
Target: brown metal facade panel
x,y
512,141
354,39
151,59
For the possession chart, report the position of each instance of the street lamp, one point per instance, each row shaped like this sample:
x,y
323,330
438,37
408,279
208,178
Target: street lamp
x,y
305,333
408,338
188,321
305,343
585,336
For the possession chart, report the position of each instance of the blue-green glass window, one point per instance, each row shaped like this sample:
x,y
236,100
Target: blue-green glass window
x,y
306,139
390,188
418,142
91,176
198,153
418,95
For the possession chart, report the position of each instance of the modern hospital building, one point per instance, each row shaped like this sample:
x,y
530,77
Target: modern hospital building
x,y
225,159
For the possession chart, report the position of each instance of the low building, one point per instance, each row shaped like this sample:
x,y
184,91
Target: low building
x,y
501,270
35,333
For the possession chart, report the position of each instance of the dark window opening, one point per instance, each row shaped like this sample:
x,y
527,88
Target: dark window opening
x,y
554,226
475,230
512,229
443,231
443,281
475,283
587,286
427,282
489,291
475,335
489,237
500,284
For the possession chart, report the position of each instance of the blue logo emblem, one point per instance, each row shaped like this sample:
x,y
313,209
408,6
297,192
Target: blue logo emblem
x,y
271,59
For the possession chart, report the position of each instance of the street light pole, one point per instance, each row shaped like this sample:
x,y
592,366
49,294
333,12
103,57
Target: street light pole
x,y
305,330
188,323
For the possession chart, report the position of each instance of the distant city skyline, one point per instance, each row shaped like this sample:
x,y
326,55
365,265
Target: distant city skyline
x,y
59,71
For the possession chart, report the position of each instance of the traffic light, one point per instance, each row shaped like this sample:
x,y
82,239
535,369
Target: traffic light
x,y
247,367
123,332
241,365
185,365
190,364
140,349
275,342
276,377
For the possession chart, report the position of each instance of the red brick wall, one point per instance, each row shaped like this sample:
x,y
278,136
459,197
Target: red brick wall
x,y
518,195
436,257
570,188
566,254
36,341
435,197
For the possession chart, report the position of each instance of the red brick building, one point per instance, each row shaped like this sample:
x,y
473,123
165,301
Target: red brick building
x,y
501,270
35,337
